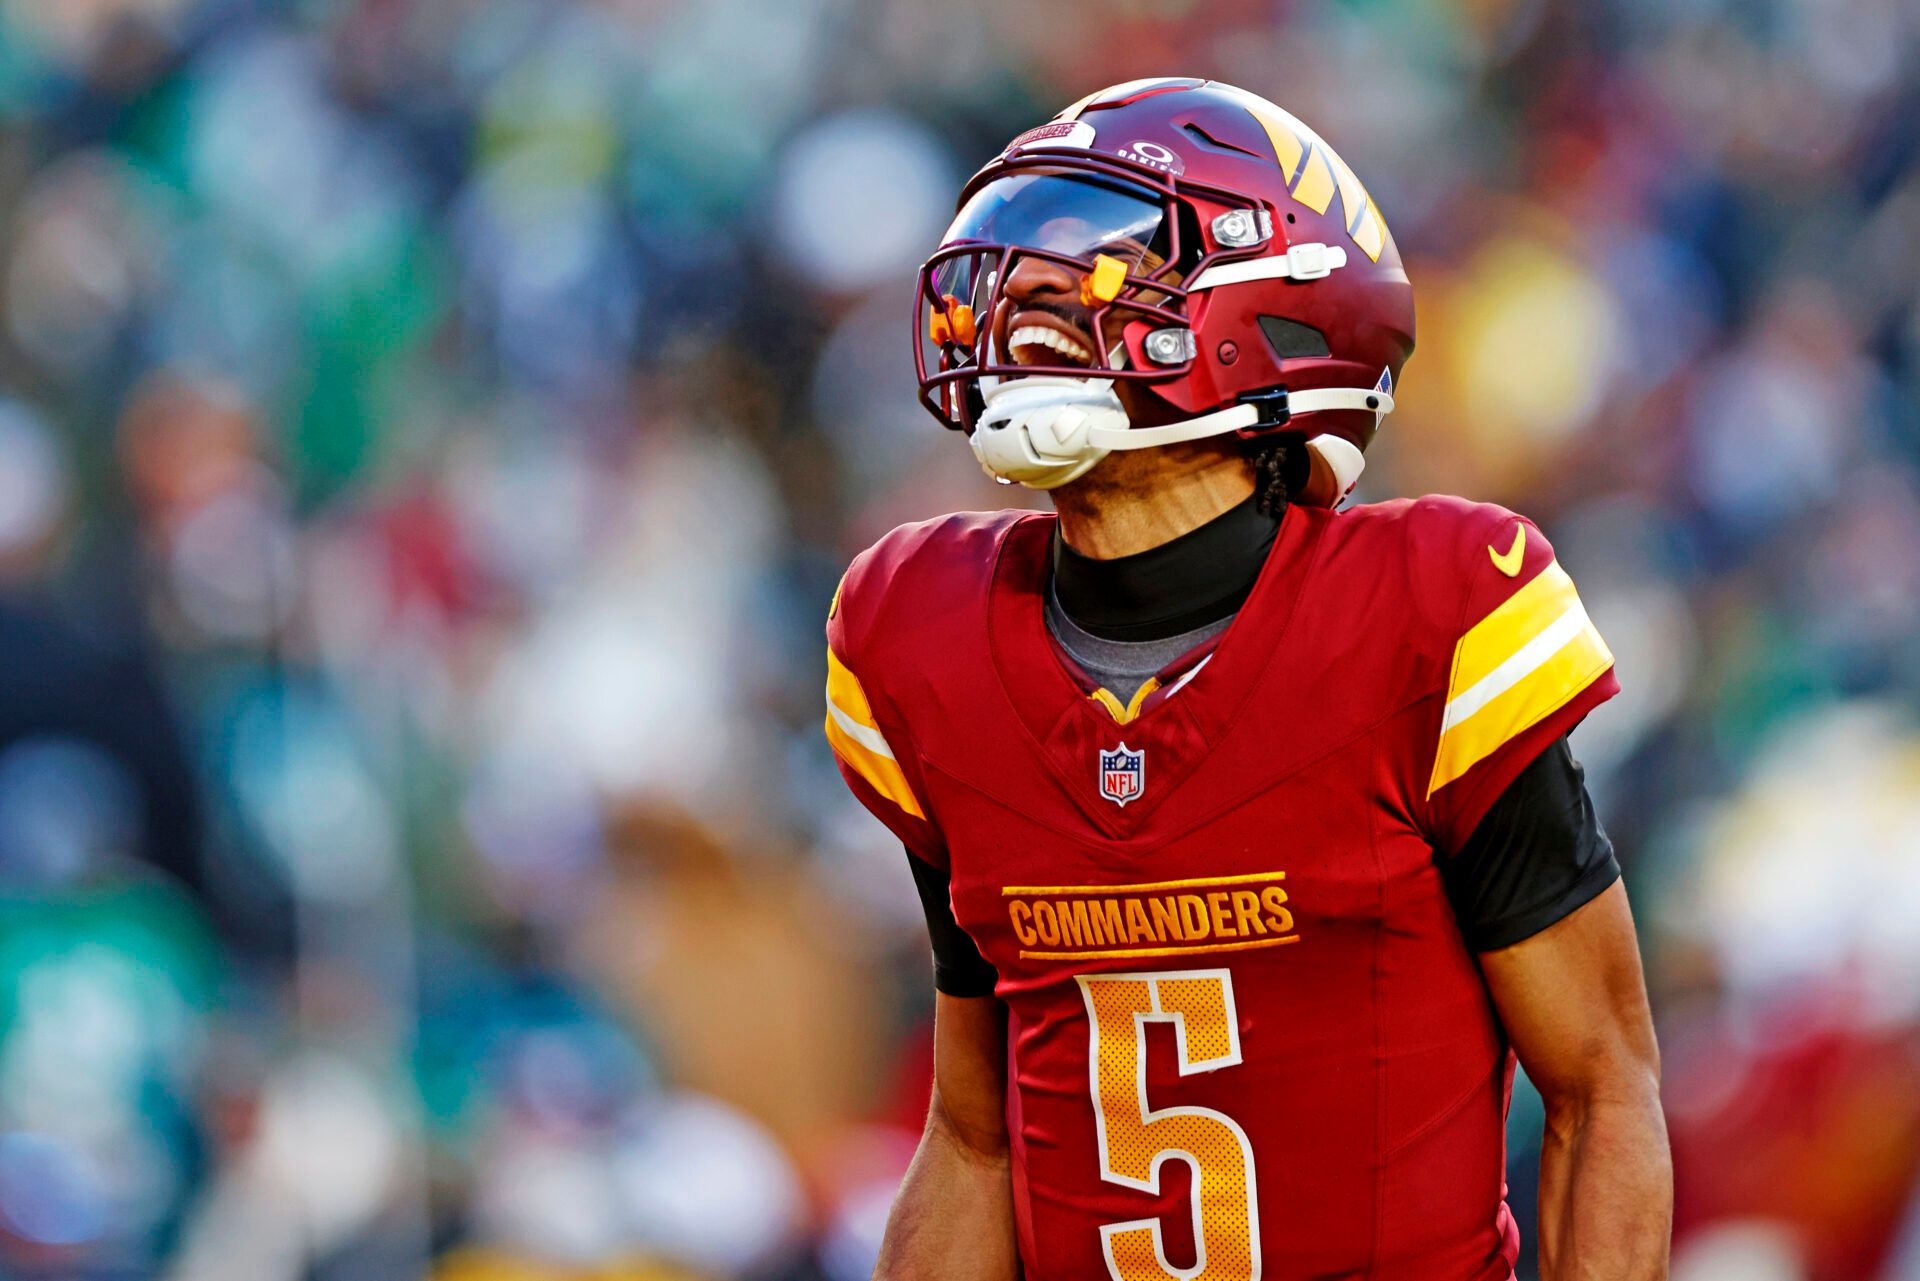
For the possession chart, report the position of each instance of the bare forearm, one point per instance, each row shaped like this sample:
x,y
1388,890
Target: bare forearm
x,y
1606,1192
953,1219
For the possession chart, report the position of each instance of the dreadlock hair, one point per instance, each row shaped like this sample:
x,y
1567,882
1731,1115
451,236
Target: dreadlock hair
x,y
1280,467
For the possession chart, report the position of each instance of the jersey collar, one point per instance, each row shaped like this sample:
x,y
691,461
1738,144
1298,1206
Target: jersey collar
x,y
1069,730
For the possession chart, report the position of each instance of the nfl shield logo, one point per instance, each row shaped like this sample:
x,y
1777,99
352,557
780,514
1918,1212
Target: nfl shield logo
x,y
1123,774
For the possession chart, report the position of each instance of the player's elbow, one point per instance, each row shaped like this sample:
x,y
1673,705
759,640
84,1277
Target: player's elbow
x,y
971,1130
1610,1079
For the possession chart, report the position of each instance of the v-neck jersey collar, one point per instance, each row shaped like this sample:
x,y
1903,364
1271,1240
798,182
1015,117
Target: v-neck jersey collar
x,y
1050,702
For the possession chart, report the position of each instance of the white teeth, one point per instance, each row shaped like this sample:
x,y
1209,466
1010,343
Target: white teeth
x,y
1041,336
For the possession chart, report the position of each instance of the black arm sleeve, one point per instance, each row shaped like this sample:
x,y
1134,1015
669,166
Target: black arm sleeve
x,y
1538,855
958,967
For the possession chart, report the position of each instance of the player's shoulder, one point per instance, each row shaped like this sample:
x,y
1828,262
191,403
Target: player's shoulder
x,y
920,571
956,540
1455,554
1432,523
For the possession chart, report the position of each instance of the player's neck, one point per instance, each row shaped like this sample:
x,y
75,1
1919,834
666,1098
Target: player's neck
x,y
1136,501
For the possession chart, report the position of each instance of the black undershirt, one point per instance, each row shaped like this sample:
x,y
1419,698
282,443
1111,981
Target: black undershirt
x,y
1201,577
1538,855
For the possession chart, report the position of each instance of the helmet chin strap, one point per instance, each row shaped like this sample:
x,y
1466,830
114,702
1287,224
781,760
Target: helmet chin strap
x,y
1043,432
1039,431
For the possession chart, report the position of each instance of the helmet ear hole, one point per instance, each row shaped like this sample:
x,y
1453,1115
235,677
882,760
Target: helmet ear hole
x,y
1292,340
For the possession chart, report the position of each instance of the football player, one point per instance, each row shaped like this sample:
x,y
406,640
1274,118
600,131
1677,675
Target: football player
x,y
1250,841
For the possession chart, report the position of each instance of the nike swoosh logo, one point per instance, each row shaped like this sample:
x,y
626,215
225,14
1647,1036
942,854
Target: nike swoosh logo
x,y
1509,564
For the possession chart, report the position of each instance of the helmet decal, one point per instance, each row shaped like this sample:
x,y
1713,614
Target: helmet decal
x,y
1055,133
1315,172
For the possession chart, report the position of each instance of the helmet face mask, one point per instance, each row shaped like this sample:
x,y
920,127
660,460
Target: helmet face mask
x,y
1186,242
1068,210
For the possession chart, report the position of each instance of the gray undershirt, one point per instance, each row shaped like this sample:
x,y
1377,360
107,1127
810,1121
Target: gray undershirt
x,y
1122,667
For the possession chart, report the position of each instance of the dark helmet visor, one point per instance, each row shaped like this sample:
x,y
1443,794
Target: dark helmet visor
x,y
1068,215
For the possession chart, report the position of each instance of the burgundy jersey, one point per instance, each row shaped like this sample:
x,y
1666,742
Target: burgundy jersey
x,y
1246,1039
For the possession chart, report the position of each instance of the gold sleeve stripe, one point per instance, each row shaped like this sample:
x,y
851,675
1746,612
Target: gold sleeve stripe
x,y
882,773
867,738
1545,690
1514,668
857,740
1515,621
844,692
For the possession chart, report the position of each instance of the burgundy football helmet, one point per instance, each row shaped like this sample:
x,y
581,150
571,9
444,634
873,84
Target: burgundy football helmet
x,y
1188,238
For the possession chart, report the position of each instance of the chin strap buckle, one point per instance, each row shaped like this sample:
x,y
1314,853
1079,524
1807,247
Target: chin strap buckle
x,y
1271,410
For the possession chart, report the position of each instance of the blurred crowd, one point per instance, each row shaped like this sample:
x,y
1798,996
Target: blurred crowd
x,y
430,433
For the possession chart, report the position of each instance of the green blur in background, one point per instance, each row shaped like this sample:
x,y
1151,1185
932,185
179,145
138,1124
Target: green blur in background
x,y
430,433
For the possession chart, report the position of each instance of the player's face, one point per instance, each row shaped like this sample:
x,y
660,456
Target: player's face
x,y
1055,224
1041,318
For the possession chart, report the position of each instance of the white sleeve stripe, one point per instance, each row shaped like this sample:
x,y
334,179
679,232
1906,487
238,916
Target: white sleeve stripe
x,y
1524,661
865,735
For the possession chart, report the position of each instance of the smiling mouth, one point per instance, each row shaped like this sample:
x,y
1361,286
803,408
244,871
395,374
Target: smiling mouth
x,y
1041,345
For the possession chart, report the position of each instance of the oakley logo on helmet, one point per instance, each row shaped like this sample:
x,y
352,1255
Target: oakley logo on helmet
x,y
1154,156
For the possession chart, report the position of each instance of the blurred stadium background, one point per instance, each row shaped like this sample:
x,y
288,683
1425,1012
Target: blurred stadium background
x,y
430,431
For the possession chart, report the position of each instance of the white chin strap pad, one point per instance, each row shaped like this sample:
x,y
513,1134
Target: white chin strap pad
x,y
1044,432
1038,432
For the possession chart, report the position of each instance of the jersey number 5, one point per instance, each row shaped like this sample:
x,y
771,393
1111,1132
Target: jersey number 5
x,y
1135,1139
